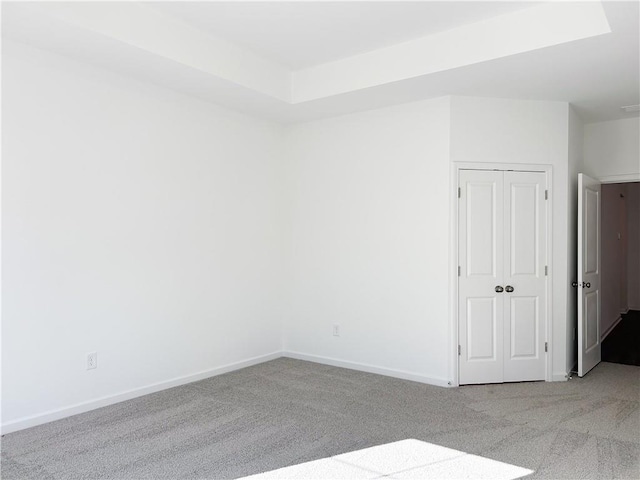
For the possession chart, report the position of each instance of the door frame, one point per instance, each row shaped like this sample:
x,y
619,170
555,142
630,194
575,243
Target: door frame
x,y
453,258
604,180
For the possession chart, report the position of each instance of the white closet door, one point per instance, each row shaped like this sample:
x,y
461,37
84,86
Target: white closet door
x,y
480,307
525,253
502,282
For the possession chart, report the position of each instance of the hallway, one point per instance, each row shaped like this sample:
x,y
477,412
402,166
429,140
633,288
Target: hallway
x,y
622,345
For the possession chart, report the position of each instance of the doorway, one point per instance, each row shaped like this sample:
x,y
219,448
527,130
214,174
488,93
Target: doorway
x,y
620,233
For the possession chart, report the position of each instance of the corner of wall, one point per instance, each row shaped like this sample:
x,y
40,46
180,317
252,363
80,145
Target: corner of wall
x,y
575,161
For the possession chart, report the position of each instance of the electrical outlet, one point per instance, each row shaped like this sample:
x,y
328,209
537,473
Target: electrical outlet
x,y
92,360
336,330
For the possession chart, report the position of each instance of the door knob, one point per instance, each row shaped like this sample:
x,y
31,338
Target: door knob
x,y
509,288
499,289
586,284
574,284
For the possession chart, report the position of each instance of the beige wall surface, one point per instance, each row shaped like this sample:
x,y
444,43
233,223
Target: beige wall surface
x,y
633,252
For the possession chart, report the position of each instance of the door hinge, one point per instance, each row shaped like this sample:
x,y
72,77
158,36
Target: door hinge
x,y
459,192
546,270
459,270
546,194
459,350
546,347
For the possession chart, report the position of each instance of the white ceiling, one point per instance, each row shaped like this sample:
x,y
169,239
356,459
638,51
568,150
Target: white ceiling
x,y
295,61
303,34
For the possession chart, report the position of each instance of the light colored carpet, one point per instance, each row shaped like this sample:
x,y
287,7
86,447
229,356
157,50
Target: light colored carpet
x,y
287,412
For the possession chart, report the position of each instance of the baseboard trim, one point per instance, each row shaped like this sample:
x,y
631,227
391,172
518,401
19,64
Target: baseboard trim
x,y
52,415
363,367
610,329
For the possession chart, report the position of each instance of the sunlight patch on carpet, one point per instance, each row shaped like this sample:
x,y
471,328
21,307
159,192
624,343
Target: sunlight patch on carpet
x,y
406,459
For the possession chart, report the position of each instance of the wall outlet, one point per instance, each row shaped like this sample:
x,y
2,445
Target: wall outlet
x,y
336,330
92,360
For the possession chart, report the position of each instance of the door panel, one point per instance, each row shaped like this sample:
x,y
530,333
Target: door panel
x,y
525,325
592,332
481,228
481,329
591,230
480,312
524,200
589,346
525,257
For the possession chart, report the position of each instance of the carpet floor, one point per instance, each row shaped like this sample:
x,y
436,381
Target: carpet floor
x,y
622,345
286,412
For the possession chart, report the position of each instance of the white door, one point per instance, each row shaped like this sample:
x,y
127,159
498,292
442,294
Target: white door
x,y
525,257
502,284
480,307
589,347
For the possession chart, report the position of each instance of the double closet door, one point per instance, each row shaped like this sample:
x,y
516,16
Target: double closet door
x,y
502,304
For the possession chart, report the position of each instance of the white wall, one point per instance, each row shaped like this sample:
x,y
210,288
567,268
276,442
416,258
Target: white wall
x,y
576,165
370,240
612,150
525,132
633,245
362,256
138,223
174,237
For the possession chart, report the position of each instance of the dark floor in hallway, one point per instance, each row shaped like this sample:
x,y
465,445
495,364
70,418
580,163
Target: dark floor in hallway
x,y
622,345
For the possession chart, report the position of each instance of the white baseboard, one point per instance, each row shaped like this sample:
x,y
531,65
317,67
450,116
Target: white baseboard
x,y
363,367
52,415
610,329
